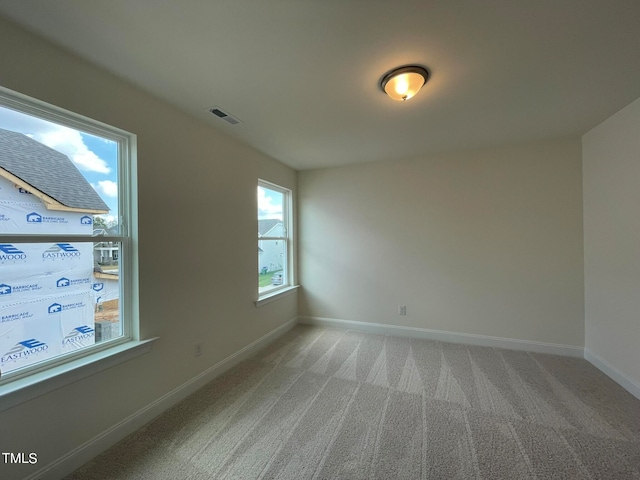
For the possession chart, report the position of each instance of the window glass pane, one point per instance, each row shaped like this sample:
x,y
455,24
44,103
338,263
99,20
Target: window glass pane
x,y
272,257
106,290
54,299
55,179
270,204
272,239
58,178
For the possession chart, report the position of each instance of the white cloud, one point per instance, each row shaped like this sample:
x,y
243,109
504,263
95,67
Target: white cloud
x,y
63,139
266,207
108,188
69,142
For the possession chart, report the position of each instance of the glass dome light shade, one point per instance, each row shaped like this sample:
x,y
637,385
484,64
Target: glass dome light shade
x,y
404,83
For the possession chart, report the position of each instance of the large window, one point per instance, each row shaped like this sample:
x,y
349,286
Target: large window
x,y
275,270
66,259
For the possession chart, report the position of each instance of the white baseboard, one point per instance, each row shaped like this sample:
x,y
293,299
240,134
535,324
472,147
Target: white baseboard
x,y
452,337
613,373
88,450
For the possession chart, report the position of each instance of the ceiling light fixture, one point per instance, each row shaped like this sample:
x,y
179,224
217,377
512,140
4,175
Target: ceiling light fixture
x,y
404,82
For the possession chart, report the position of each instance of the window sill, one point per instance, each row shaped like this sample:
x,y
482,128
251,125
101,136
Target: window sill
x,y
270,297
41,383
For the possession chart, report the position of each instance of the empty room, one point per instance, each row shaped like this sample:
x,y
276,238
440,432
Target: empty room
x,y
307,239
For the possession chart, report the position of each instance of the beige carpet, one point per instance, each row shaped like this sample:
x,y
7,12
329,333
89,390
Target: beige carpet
x,y
327,403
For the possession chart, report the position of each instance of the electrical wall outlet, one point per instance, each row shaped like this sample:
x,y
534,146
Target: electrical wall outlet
x,y
197,350
402,309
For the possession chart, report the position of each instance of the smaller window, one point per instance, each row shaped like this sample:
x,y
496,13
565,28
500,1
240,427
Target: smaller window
x,y
275,270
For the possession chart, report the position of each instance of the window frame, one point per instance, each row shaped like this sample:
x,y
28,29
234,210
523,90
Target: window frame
x,y
288,284
88,360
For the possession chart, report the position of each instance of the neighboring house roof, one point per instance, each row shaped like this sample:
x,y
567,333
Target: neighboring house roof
x,y
104,231
264,226
48,172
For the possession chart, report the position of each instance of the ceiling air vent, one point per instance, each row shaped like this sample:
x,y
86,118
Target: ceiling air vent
x,y
218,112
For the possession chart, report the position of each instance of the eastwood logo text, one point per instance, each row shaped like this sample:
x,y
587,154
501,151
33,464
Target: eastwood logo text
x,y
9,253
65,282
60,251
12,317
35,217
78,334
25,349
8,289
57,307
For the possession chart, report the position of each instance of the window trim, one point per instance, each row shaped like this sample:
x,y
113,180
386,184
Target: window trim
x,y
289,267
103,354
276,295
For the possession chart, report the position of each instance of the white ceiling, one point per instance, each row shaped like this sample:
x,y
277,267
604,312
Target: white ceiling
x,y
303,75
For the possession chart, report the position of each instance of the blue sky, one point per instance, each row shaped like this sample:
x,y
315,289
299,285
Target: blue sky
x,y
95,157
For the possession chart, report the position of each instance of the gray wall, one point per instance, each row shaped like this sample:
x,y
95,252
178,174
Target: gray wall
x,y
483,242
198,260
611,153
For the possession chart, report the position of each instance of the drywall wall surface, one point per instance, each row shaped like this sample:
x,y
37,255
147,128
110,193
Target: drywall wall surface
x,y
197,249
481,242
611,166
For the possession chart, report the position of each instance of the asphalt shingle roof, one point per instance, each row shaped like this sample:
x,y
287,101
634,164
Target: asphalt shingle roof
x,y
48,171
267,224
